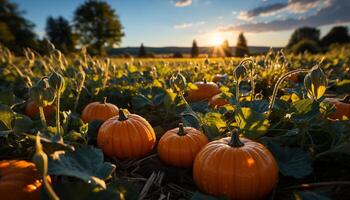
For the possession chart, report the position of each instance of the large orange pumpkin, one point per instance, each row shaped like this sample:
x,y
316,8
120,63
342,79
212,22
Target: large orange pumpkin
x,y
236,168
342,108
19,180
205,90
99,111
218,101
126,136
33,111
179,146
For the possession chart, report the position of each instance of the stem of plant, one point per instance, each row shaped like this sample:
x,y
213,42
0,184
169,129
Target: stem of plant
x,y
42,117
58,126
280,80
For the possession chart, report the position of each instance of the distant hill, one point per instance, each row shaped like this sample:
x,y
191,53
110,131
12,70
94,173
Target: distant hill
x,y
183,50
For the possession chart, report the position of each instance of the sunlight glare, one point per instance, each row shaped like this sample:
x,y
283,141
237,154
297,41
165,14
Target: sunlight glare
x,y
216,39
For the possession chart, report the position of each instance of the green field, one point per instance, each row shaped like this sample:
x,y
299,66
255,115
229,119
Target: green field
x,y
303,123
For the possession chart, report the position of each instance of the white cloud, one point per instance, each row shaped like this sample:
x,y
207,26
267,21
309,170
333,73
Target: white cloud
x,y
182,3
183,26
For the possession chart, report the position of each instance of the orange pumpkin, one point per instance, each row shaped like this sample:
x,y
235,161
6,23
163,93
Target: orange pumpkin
x,y
179,146
33,111
218,101
219,77
99,111
294,78
126,136
19,180
205,90
342,108
236,168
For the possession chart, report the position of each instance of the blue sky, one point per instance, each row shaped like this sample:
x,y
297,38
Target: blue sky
x,y
178,22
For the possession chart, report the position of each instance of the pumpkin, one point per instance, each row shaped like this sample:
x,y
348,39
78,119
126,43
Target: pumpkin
x,y
218,101
179,146
219,77
32,110
342,108
19,180
99,111
126,136
236,168
294,78
205,90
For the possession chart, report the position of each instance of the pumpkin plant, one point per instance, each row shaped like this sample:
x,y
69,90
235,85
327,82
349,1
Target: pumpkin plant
x,y
99,111
179,146
42,94
235,167
126,136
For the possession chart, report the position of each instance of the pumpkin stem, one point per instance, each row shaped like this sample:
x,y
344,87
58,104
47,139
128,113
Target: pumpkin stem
x,y
181,130
122,116
235,141
205,80
104,101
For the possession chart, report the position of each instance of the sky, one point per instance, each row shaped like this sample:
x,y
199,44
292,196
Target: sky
x,y
159,23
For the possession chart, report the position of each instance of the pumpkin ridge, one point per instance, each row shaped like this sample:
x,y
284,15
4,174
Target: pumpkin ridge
x,y
139,134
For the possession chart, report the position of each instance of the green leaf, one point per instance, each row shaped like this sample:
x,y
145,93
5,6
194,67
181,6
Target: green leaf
x,y
309,195
305,110
212,124
6,116
291,161
85,163
140,101
201,196
8,98
252,123
22,123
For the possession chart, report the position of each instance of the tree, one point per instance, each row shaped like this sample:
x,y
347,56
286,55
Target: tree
x,y
299,34
226,49
142,52
194,50
338,34
16,32
306,45
97,25
241,47
60,34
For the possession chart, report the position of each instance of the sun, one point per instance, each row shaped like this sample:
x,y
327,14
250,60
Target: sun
x,y
216,39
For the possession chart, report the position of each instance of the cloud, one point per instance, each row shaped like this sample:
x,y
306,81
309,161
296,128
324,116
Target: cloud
x,y
337,11
183,26
189,25
182,3
293,6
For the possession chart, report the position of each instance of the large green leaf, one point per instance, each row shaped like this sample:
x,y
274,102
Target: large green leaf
x,y
22,123
291,161
6,116
305,110
212,124
252,123
85,163
8,98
